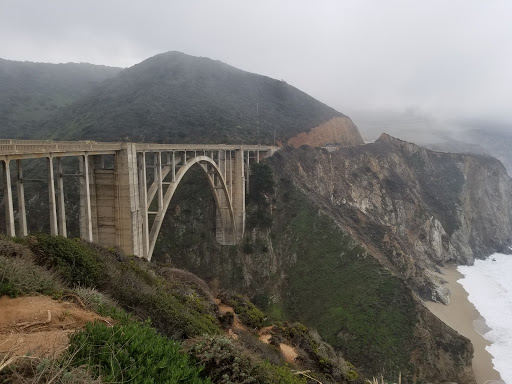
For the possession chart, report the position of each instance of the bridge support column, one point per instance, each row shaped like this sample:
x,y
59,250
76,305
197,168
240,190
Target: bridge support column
x,y
61,209
143,195
85,200
9,210
128,214
20,189
51,199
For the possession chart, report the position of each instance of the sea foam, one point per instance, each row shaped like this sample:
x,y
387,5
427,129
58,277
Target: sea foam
x,y
489,285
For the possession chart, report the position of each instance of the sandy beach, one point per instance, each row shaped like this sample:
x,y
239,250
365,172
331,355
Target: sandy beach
x,y
462,316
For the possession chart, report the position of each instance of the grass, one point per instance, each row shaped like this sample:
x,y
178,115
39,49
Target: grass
x,y
20,276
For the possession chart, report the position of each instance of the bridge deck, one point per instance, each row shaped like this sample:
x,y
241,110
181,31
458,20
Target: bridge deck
x,y
22,149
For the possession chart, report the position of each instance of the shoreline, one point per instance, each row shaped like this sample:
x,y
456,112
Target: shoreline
x,y
462,316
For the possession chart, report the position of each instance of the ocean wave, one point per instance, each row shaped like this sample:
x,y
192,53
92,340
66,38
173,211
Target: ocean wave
x,y
489,288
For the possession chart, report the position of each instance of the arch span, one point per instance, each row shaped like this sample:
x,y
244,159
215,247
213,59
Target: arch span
x,y
222,196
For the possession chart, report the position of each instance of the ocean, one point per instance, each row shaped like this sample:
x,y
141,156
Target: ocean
x,y
489,285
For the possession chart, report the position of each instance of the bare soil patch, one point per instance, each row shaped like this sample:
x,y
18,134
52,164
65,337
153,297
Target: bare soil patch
x,y
39,325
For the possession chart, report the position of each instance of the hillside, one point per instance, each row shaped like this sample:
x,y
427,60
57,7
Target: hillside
x,y
86,314
177,98
32,92
300,263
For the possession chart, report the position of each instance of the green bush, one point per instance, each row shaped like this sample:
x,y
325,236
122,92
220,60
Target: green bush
x,y
279,374
226,363
32,370
102,304
76,263
21,277
132,353
248,313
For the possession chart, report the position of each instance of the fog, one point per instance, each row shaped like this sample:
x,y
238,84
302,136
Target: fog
x,y
401,66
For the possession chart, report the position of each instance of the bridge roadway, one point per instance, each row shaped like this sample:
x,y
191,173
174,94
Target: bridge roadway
x,y
126,188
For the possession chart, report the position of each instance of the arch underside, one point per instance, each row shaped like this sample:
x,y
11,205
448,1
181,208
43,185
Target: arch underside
x,y
226,225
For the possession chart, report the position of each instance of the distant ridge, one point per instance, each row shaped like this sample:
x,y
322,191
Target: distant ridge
x,y
174,97
33,92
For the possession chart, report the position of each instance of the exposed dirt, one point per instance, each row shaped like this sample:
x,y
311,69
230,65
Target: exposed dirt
x,y
289,353
40,325
338,130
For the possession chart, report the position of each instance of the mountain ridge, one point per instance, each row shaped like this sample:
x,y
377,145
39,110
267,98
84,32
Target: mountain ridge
x,y
32,92
173,97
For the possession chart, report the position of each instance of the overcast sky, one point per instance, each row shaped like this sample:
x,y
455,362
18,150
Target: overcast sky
x,y
440,59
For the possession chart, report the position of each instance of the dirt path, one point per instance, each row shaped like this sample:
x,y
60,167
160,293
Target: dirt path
x,y
39,325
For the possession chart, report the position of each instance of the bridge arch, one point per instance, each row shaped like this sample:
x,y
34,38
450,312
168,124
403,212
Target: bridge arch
x,y
220,191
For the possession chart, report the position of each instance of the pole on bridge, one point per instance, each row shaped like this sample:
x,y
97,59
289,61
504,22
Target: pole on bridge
x,y
9,210
21,199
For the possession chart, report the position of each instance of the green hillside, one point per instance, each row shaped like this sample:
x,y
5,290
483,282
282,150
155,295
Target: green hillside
x,y
32,92
177,98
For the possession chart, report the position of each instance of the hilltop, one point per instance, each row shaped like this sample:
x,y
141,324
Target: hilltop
x,y
177,98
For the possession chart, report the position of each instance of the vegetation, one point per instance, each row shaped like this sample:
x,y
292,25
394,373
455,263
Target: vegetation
x,y
74,262
176,310
246,311
367,313
176,98
227,363
20,276
132,353
259,199
32,92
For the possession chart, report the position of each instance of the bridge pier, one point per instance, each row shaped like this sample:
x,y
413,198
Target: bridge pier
x,y
20,189
9,210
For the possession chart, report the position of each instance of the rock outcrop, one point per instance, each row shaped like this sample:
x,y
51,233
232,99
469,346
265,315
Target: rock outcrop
x,y
413,208
338,131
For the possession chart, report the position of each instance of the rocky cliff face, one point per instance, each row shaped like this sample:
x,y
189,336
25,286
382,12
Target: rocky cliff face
x,y
412,207
337,131
298,264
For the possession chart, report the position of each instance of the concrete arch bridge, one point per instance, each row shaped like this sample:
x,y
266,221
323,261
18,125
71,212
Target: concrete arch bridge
x,y
126,188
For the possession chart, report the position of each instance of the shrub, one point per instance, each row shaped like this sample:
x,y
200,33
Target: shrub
x,y
279,374
34,371
226,363
72,259
20,277
246,311
101,303
133,353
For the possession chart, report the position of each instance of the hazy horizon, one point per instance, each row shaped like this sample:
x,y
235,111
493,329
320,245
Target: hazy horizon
x,y
417,65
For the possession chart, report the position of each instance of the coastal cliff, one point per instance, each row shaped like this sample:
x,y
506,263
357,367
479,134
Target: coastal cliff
x,y
413,208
